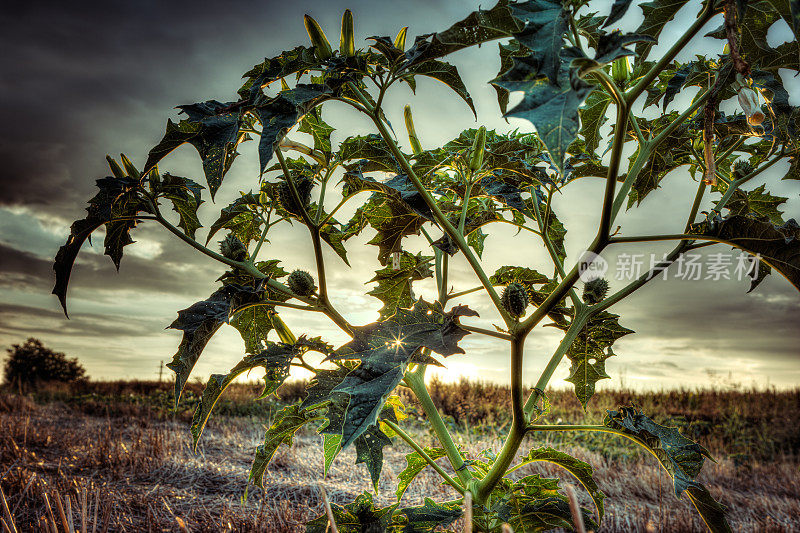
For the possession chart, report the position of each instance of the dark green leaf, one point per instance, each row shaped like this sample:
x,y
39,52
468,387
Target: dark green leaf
x,y
370,147
656,15
478,27
213,129
533,504
285,424
428,517
359,516
447,74
313,124
618,10
507,52
676,82
394,284
414,465
116,196
589,351
582,471
679,456
185,197
274,360
553,109
778,246
593,116
241,218
279,114
297,60
757,202
384,349
610,47
545,22
509,274
671,153
200,322
369,450
754,44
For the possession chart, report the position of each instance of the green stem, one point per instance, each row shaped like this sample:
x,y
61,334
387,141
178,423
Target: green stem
x,y
464,293
416,382
500,465
548,243
488,332
417,448
620,130
316,241
698,197
580,320
260,240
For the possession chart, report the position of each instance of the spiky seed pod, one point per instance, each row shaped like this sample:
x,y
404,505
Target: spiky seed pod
x,y
303,186
347,45
595,290
741,169
478,147
232,248
301,283
322,47
515,299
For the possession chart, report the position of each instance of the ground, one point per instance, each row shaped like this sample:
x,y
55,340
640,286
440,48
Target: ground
x,y
130,459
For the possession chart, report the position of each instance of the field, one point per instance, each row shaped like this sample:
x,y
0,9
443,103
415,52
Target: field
x,y
120,457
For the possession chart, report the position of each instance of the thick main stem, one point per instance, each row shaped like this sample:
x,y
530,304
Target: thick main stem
x,y
416,382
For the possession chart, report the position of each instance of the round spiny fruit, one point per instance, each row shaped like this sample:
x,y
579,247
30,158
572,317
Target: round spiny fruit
x,y
301,283
595,290
515,299
232,248
741,169
303,186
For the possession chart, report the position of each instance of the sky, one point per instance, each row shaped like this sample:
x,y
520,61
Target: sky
x,y
82,80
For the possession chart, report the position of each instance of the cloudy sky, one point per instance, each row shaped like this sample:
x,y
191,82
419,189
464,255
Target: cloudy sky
x,y
92,79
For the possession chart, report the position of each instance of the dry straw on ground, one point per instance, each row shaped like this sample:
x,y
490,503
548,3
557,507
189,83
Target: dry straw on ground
x,y
136,472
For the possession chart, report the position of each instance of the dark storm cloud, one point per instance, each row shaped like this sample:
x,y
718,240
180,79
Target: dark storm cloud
x,y
174,272
33,321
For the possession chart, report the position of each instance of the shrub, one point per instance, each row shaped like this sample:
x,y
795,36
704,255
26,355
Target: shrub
x,y
33,363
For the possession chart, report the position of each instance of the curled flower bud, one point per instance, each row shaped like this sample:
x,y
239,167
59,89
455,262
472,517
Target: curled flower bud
x,y
347,40
322,47
748,100
478,147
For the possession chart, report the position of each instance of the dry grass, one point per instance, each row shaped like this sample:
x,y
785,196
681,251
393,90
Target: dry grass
x,y
130,460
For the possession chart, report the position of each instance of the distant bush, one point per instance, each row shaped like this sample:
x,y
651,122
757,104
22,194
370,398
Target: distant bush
x,y
33,363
